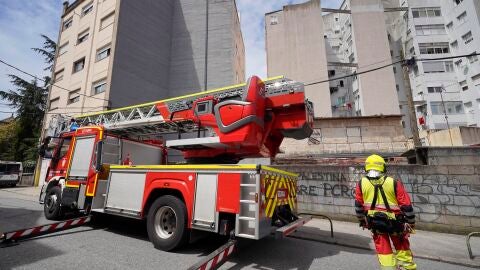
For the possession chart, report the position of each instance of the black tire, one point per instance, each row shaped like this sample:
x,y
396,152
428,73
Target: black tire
x,y
52,206
164,235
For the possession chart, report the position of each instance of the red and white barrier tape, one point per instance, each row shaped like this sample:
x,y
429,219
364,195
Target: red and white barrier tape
x,y
44,229
215,258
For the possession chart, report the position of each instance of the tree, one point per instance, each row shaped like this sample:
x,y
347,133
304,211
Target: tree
x,y
29,99
48,52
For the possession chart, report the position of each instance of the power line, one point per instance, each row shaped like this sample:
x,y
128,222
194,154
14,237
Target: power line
x,y
413,59
43,80
355,73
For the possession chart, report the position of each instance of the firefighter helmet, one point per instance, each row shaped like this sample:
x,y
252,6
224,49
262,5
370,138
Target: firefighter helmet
x,y
375,162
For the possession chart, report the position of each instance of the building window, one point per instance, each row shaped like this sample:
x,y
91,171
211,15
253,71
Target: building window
x,y
331,73
438,66
99,86
451,107
78,65
103,53
351,58
58,76
397,87
54,104
434,48
430,29
73,96
454,45
434,89
467,38
464,85
341,83
394,70
82,36
462,17
62,49
87,9
273,20
67,24
426,12
473,58
457,2
476,79
107,20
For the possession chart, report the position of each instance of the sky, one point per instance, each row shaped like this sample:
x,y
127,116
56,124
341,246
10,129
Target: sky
x,y
23,21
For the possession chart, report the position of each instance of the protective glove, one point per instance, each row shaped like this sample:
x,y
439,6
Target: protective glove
x,y
409,228
363,224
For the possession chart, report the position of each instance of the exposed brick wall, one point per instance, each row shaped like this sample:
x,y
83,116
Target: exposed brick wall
x,y
445,198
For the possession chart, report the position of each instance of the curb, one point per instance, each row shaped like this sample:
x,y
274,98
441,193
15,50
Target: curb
x,y
473,264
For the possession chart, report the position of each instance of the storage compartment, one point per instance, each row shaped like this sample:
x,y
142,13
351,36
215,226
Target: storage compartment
x,y
205,216
125,192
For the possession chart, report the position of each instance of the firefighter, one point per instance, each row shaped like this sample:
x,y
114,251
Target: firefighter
x,y
383,206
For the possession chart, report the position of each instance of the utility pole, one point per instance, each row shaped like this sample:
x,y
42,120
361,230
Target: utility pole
x,y
445,114
411,108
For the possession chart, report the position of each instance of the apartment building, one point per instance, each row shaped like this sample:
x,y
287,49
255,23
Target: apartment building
x,y
350,40
114,53
366,34
445,92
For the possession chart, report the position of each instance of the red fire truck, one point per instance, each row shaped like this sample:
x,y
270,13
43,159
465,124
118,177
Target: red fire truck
x,y
118,162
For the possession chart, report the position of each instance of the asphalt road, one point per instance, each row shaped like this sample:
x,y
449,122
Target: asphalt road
x,y
118,243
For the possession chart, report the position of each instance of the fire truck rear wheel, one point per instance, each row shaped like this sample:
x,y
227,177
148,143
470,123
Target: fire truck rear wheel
x,y
52,207
167,223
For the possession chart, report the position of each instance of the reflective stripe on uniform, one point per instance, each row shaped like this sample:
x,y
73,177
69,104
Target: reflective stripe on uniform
x,y
405,259
387,261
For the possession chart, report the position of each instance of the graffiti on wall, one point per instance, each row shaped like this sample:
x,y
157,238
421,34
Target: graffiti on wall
x,y
330,184
433,196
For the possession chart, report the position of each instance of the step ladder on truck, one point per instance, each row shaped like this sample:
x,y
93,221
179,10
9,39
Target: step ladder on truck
x,y
117,162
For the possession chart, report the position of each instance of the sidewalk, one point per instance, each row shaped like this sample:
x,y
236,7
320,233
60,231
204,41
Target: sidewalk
x,y
443,247
21,192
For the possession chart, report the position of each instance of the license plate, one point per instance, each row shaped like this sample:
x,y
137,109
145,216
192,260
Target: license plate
x,y
282,194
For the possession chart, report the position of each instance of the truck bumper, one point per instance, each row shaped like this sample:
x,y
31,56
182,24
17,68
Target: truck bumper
x,y
291,227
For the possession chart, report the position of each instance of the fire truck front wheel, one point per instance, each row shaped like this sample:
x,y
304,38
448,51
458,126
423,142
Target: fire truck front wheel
x,y
167,223
52,207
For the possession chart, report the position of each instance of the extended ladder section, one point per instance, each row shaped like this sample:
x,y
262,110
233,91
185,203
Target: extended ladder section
x,y
147,119
220,125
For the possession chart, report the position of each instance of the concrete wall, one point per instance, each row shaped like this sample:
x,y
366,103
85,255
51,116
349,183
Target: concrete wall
x,y
296,49
142,52
457,136
349,136
378,96
445,198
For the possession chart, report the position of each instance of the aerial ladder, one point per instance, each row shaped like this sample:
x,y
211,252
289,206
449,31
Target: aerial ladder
x,y
117,163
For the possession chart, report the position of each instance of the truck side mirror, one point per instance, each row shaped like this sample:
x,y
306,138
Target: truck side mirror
x,y
98,156
42,150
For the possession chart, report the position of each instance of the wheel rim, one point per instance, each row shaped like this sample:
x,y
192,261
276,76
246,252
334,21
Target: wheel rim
x,y
51,201
165,222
